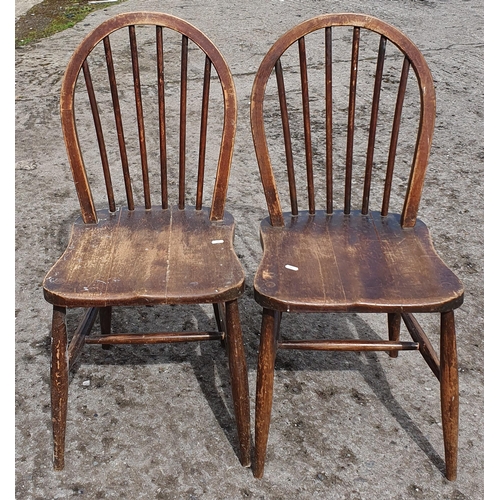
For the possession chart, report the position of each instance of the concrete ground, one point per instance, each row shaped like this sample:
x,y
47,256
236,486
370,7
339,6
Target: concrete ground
x,y
156,423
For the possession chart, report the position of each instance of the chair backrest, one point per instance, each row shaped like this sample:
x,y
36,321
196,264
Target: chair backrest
x,y
146,91
390,111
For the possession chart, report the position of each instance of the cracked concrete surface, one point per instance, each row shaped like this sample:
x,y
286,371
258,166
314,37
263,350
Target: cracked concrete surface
x,y
156,422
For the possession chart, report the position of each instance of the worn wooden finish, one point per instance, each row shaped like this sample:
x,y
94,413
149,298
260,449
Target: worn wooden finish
x,y
426,349
394,324
449,392
59,375
348,345
265,384
177,256
78,341
146,253
153,338
350,259
67,104
342,263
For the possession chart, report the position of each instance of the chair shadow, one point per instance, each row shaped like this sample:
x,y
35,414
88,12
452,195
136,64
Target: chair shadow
x,y
208,359
366,364
210,364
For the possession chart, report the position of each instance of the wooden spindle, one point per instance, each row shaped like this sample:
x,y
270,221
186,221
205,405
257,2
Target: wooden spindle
x,y
100,136
394,136
140,117
329,120
118,122
373,124
350,120
203,133
287,137
161,115
182,127
307,123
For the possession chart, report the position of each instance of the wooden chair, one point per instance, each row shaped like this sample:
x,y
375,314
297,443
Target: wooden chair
x,y
351,259
146,254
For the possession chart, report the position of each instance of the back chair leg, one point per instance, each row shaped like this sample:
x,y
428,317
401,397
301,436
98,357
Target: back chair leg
x,y
394,321
449,392
239,380
105,322
59,383
220,318
265,383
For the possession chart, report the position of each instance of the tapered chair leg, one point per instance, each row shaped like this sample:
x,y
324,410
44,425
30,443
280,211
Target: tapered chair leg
x,y
239,380
394,322
449,393
59,383
265,383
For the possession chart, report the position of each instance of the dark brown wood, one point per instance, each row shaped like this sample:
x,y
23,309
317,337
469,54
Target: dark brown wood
x,y
373,124
203,133
339,263
351,259
100,137
329,120
348,345
161,114
153,338
140,116
426,348
153,253
239,379
67,106
59,383
118,122
394,136
95,269
394,324
105,323
182,126
265,384
307,124
427,95
449,392
351,118
78,341
287,138
220,319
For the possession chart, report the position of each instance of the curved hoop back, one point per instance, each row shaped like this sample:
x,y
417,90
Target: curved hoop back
x,y
411,56
213,58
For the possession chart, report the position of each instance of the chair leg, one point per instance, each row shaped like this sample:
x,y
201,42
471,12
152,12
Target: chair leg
x,y
265,382
59,383
220,314
394,321
239,379
105,322
449,392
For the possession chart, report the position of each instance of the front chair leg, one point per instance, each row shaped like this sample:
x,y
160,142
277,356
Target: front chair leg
x,y
59,378
449,392
239,379
265,383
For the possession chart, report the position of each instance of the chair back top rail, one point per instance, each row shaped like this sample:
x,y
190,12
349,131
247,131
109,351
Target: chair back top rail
x,y
213,58
411,57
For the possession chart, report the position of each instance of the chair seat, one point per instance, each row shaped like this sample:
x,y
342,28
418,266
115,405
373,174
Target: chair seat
x,y
358,263
156,256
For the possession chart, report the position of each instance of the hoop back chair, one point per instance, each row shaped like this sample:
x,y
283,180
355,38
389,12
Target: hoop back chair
x,y
351,105
142,253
